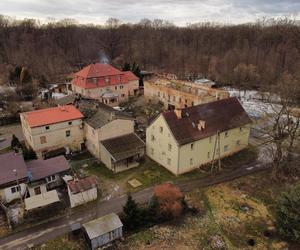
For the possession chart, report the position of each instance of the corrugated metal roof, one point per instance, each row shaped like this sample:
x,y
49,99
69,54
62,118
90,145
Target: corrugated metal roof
x,y
81,185
103,225
122,147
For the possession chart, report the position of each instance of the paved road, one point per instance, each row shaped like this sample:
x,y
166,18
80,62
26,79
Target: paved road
x,y
6,133
50,230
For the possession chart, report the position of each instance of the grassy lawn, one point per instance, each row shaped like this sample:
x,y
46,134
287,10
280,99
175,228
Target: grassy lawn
x,y
230,216
150,173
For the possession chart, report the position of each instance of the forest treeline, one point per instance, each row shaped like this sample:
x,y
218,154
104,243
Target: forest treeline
x,y
252,54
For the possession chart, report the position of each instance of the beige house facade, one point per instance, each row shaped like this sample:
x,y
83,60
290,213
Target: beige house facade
x,y
187,139
105,83
106,132
51,129
175,94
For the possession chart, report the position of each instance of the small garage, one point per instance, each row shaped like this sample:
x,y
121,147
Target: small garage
x,y
103,230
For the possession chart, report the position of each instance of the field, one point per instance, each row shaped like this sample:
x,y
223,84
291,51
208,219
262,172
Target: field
x,y
235,215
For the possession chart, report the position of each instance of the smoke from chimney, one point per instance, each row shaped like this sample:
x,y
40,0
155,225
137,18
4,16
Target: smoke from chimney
x,y
103,58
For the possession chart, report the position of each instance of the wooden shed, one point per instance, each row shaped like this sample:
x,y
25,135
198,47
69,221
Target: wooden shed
x,y
103,230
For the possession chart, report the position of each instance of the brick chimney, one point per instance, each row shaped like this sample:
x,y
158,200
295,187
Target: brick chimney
x,y
201,125
178,113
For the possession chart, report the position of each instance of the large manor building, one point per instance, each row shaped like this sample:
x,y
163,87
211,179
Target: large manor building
x,y
105,83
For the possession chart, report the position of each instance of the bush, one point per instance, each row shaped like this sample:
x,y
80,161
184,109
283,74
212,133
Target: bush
x,y
170,200
288,214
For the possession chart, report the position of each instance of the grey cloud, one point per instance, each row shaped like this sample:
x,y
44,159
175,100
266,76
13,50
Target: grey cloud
x,y
178,11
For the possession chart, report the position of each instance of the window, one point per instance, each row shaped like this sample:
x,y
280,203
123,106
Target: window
x,y
43,139
116,87
15,189
241,129
152,138
106,80
68,133
185,100
37,190
210,139
95,80
180,99
121,86
192,103
238,143
226,148
158,94
174,98
50,178
123,95
191,161
169,147
47,127
192,146
208,155
161,129
169,161
226,134
70,123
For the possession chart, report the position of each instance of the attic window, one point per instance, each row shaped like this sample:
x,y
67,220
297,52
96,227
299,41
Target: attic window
x,y
47,127
192,146
161,129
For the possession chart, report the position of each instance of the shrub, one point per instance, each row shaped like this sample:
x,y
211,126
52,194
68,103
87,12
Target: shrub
x,y
288,214
170,200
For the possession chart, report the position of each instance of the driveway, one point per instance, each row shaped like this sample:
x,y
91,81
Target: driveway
x,y
6,133
39,234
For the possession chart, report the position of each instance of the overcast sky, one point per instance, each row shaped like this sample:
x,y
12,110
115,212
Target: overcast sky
x,y
180,12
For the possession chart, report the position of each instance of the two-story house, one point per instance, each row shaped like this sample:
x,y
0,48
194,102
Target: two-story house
x,y
182,140
105,83
52,129
110,137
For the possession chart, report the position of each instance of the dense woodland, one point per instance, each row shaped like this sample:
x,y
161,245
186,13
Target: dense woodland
x,y
256,54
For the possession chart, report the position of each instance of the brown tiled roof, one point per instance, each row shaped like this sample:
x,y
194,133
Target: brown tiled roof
x,y
9,162
81,185
122,147
219,116
39,169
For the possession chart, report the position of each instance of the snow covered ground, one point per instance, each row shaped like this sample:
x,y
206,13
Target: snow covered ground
x,y
252,102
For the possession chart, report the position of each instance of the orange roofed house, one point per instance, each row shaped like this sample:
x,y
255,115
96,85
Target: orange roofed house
x,y
53,129
105,83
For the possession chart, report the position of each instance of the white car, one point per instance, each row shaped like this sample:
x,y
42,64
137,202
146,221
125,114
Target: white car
x,y
118,108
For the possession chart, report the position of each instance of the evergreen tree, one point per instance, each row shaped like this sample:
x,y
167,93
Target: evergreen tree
x,y
126,67
15,143
153,210
288,214
131,213
137,71
133,67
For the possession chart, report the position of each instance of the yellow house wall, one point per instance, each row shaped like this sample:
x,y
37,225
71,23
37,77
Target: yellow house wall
x,y
180,157
115,128
199,153
55,136
158,150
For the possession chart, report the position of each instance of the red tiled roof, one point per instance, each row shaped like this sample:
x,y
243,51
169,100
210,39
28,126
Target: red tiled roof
x,y
98,70
220,116
48,116
130,76
85,77
81,185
